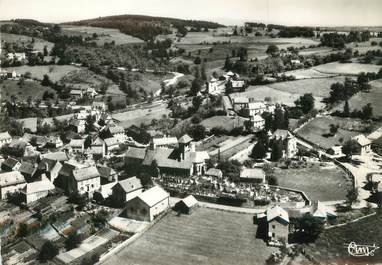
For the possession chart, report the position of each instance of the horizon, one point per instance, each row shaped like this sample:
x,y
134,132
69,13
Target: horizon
x,y
339,13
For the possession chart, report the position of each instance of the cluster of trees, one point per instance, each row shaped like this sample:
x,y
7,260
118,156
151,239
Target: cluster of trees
x,y
365,113
338,41
292,32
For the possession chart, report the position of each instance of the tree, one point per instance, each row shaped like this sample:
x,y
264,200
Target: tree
x,y
197,60
227,63
311,227
305,102
350,147
46,80
277,151
197,132
278,122
367,112
46,53
272,50
333,129
48,251
230,169
346,111
286,119
22,230
352,196
72,241
196,86
259,151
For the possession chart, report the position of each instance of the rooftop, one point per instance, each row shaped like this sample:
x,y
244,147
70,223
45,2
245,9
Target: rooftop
x,y
277,212
153,196
82,174
130,184
11,178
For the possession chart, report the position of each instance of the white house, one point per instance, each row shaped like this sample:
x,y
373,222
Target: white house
x,y
11,182
5,138
257,122
110,145
148,204
118,133
84,180
37,190
256,108
126,189
278,224
77,145
364,144
165,142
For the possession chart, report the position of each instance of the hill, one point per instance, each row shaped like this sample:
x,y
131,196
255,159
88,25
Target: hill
x,y
144,27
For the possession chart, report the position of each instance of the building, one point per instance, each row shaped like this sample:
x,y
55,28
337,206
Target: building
x,y
37,190
148,205
335,151
278,225
257,122
55,142
50,168
107,174
5,138
215,86
252,175
56,156
255,108
165,142
77,125
363,143
214,173
239,103
126,190
118,133
99,105
322,212
289,142
110,145
84,180
28,170
76,93
11,182
186,205
77,145
97,147
10,164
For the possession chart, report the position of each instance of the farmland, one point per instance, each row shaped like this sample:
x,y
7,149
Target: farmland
x,y
288,92
55,72
38,44
319,182
373,96
317,130
103,35
347,68
225,122
205,237
307,74
331,246
31,89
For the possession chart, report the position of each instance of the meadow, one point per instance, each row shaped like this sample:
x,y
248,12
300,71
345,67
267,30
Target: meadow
x,y
38,44
55,72
206,236
346,68
31,89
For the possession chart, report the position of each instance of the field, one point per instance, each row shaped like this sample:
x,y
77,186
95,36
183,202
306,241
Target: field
x,y
317,130
288,92
327,183
22,39
347,68
331,246
307,74
103,35
55,72
373,96
205,237
31,89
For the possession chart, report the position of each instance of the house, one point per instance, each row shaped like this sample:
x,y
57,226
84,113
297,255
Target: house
x,y
118,133
237,84
84,180
107,174
10,164
29,124
227,105
322,212
363,143
99,105
10,182
56,156
125,190
55,141
252,175
148,205
77,125
255,108
37,190
5,138
135,155
110,145
239,103
278,225
257,122
76,93
289,142
50,168
17,56
97,146
295,62
77,145
28,170
165,142
214,173
335,151
186,205
215,86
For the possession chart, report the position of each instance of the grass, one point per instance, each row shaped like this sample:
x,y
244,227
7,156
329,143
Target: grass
x,y
103,35
316,130
331,246
347,68
55,72
307,74
227,123
324,183
206,236
362,98
23,39
31,89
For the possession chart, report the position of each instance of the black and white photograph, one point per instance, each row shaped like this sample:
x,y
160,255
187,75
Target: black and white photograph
x,y
190,132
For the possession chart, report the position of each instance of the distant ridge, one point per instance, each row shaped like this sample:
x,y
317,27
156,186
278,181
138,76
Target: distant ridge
x,y
143,27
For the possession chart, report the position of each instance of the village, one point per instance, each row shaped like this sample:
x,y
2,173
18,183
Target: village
x,y
94,169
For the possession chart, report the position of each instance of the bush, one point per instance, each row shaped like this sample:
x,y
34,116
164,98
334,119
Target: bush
x,y
48,251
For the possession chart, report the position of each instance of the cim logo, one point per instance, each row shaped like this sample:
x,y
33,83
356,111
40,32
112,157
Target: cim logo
x,y
361,250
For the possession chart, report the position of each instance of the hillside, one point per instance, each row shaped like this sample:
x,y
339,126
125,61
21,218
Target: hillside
x,y
144,27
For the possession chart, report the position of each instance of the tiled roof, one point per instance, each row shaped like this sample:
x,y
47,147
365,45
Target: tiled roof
x,y
116,129
81,174
58,156
135,152
10,162
165,141
362,140
166,158
153,196
27,168
11,178
111,141
214,172
252,173
5,136
277,212
38,186
106,172
190,201
130,184
185,139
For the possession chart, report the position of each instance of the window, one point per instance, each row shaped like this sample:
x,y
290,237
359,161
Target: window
x,y
273,235
273,226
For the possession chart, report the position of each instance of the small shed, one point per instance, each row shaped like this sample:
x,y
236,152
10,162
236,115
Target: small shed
x,y
187,205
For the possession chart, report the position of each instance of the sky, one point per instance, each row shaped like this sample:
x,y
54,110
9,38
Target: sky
x,y
287,12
